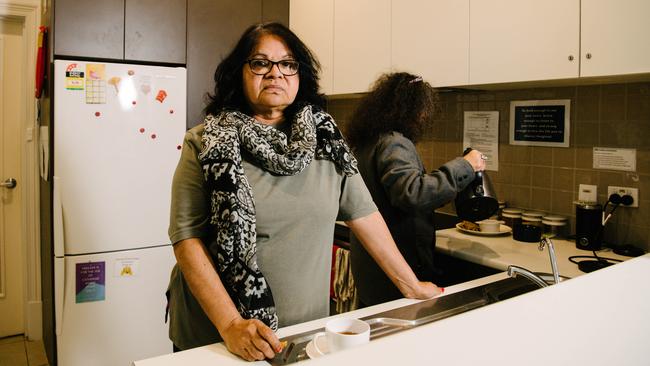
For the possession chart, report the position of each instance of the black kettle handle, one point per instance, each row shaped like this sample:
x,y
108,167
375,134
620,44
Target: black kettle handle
x,y
479,174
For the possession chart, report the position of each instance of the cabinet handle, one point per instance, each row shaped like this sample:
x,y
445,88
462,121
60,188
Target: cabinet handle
x,y
570,57
588,55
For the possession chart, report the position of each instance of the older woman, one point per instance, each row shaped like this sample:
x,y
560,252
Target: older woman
x,y
383,131
255,197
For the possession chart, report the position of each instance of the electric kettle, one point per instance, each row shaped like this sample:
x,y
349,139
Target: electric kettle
x,y
478,201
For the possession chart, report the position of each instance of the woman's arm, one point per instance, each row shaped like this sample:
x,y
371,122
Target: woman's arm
x,y
401,174
373,233
249,338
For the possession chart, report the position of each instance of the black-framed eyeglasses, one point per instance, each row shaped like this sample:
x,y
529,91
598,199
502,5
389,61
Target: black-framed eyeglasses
x,y
262,66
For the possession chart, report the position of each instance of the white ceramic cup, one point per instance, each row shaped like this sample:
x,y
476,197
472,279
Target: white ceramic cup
x,y
490,226
343,333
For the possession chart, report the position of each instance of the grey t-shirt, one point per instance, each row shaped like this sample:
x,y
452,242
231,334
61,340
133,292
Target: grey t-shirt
x,y
295,225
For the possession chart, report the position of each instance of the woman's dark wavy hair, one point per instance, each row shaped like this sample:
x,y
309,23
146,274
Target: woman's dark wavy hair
x,y
228,89
399,102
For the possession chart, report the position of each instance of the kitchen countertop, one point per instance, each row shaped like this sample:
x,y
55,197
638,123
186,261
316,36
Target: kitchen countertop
x,y
501,251
601,318
590,319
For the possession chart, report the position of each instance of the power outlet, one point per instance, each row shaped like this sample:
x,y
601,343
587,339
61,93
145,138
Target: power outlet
x,y
634,192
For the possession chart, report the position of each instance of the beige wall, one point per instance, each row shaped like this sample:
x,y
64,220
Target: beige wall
x,y
547,179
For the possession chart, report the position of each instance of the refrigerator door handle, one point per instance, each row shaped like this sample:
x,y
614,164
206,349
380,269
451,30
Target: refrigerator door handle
x,y
59,256
59,293
59,236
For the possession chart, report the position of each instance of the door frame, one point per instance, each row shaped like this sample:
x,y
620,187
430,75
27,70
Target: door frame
x,y
29,13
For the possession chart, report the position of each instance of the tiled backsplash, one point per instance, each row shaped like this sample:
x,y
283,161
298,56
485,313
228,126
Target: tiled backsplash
x,y
545,178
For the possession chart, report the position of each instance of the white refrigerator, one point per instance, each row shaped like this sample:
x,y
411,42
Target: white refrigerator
x,y
118,131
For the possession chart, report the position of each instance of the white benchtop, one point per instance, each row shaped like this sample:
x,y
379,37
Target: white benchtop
x,y
601,318
501,251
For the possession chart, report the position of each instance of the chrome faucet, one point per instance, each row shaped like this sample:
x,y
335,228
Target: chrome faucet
x,y
551,255
514,271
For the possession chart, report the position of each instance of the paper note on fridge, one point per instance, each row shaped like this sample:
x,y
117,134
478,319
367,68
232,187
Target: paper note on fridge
x,y
126,267
91,282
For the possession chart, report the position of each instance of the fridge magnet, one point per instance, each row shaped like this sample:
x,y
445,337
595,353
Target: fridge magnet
x,y
126,267
130,72
115,82
162,94
540,122
74,78
95,84
145,84
90,282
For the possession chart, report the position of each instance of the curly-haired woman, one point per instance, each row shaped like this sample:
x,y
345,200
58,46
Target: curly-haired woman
x,y
382,133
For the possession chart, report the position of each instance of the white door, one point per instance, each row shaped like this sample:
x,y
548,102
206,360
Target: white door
x,y
11,206
431,39
361,44
614,36
111,310
523,40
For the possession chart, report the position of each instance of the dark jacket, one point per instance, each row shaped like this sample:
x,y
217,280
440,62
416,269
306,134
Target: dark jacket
x,y
406,197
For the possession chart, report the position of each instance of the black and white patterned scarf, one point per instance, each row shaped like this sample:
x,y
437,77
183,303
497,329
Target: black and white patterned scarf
x,y
233,243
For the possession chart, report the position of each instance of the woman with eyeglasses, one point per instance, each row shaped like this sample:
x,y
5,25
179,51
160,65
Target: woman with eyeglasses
x,y
383,131
255,198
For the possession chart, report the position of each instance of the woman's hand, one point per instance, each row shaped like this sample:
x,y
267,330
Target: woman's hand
x,y
251,339
476,159
423,290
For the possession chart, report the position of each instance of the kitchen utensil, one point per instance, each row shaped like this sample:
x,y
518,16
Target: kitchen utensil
x,y
503,229
527,233
342,333
589,225
490,226
478,200
554,229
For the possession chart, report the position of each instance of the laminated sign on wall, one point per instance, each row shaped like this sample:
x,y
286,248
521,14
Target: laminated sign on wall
x,y
540,122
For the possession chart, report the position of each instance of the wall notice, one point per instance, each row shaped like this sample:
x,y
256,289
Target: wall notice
x,y
481,132
540,122
615,159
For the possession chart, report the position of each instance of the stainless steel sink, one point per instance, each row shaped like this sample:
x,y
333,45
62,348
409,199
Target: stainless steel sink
x,y
400,319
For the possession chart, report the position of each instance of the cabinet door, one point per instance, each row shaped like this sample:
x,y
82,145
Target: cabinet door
x,y
615,35
89,28
431,38
155,30
523,40
313,22
361,43
213,28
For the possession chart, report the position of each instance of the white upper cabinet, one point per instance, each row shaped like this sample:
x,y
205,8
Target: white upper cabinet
x,y
313,22
523,40
615,37
431,38
361,43
472,42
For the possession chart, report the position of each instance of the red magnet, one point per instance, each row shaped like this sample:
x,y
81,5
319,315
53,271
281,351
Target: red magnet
x,y
141,130
171,111
133,102
178,147
153,135
97,114
162,94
